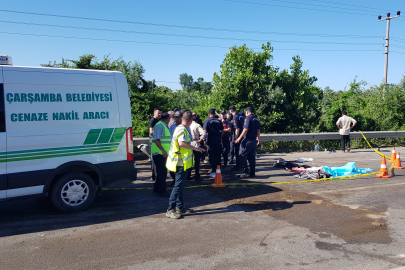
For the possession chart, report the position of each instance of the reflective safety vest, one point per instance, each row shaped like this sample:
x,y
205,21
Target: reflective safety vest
x,y
180,156
165,140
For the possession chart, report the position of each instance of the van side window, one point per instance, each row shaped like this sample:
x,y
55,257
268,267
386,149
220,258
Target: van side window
x,y
2,112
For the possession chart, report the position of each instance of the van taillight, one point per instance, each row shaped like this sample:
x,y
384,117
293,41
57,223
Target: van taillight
x,y
130,145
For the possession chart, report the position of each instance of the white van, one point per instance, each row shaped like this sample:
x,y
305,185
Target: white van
x,y
64,133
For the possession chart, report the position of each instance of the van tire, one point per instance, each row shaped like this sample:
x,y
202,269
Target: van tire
x,y
73,192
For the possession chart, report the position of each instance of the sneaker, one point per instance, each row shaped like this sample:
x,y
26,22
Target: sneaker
x,y
245,175
212,175
184,211
348,149
205,161
173,214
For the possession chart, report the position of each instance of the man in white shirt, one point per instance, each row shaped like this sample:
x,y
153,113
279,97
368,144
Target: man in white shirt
x,y
345,124
198,134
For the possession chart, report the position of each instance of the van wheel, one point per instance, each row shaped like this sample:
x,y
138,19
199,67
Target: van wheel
x,y
73,192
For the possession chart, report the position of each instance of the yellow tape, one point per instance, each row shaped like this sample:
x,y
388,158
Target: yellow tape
x,y
261,184
276,183
378,152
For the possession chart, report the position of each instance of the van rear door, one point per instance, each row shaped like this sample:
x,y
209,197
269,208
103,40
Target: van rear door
x,y
3,151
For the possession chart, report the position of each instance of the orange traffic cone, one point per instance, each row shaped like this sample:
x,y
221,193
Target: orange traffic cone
x,y
393,156
383,171
397,164
218,179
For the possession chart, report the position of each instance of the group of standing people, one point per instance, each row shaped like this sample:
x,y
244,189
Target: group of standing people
x,y
233,135
178,138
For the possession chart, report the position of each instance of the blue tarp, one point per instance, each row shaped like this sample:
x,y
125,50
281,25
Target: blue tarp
x,y
349,169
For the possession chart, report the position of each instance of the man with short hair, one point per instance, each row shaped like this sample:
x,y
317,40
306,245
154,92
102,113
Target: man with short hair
x,y
160,148
238,125
344,125
180,160
250,138
232,140
198,137
157,113
177,121
214,129
226,139
171,113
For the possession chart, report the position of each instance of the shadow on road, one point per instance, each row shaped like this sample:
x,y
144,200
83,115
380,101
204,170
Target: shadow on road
x,y
37,214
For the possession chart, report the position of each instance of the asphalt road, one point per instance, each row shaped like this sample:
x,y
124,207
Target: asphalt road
x,y
354,223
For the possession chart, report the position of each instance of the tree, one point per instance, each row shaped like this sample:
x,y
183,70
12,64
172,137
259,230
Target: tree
x,y
301,106
247,79
186,81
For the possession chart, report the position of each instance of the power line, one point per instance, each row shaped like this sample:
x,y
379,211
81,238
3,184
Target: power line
x,y
187,36
349,5
398,39
396,46
307,4
180,26
295,7
173,44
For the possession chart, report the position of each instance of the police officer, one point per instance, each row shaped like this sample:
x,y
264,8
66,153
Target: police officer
x,y
214,129
160,149
249,140
226,138
231,123
238,125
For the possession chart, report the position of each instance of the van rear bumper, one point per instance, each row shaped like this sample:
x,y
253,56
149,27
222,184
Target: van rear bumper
x,y
119,171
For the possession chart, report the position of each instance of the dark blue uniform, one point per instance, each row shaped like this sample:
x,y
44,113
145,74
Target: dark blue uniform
x,y
239,122
232,140
248,145
226,141
214,128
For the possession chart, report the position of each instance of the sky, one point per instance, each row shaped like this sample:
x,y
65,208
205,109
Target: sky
x,y
337,40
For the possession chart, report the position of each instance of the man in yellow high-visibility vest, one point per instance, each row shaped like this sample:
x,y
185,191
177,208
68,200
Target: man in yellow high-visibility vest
x,y
180,160
160,148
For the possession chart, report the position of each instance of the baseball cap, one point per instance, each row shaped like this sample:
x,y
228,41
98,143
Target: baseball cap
x,y
211,111
176,109
178,114
249,109
223,112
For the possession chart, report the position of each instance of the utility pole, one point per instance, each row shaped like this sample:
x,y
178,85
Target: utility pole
x,y
388,19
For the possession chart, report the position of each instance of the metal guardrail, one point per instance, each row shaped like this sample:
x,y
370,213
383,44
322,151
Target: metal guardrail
x,y
312,136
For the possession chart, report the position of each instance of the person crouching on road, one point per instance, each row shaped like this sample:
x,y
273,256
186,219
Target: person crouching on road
x,y
249,139
160,148
180,160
